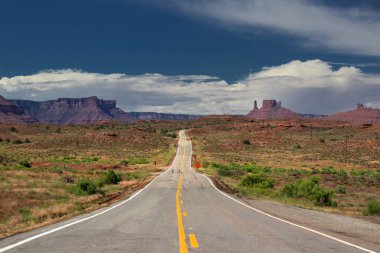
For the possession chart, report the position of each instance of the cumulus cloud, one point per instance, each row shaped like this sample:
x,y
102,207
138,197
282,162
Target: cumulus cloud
x,y
354,30
308,87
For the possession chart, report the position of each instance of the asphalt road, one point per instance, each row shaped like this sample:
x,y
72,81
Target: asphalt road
x,y
180,211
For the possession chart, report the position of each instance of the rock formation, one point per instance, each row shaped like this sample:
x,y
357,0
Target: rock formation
x,y
11,113
74,110
87,111
271,109
361,115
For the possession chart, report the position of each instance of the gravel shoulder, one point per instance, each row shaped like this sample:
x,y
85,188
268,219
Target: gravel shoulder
x,y
354,230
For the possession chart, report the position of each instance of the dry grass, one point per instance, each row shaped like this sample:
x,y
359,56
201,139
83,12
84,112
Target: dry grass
x,y
296,149
36,195
38,177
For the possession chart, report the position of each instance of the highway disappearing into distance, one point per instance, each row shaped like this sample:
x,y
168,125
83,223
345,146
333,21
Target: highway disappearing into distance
x,y
179,211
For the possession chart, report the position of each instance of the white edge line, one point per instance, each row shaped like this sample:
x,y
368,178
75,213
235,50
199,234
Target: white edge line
x,y
288,222
81,220
285,221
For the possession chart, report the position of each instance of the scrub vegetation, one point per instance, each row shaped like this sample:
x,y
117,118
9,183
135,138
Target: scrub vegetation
x,y
56,172
316,164
61,171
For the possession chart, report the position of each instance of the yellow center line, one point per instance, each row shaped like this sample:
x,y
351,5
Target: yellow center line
x,y
181,229
193,241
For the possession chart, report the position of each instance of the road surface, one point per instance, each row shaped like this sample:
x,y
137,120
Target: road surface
x,y
180,211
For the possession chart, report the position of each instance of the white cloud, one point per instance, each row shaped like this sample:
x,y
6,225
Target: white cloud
x,y
352,30
48,79
307,87
308,69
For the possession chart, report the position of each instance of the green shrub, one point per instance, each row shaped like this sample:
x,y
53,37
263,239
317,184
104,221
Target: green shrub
x,y
295,172
373,207
258,181
329,170
359,173
246,142
13,129
3,158
297,146
112,177
124,162
228,170
321,140
342,173
25,163
90,159
205,164
248,167
164,131
315,171
309,189
376,175
86,186
140,160
26,214
18,141
340,189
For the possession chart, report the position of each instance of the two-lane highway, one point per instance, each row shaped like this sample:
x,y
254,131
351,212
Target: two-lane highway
x,y
180,211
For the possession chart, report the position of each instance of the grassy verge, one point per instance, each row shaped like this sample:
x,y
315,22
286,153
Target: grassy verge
x,y
327,189
58,174
315,164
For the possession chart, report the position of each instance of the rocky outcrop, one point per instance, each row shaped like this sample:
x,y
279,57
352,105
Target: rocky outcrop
x,y
11,113
74,110
161,116
87,111
271,109
361,115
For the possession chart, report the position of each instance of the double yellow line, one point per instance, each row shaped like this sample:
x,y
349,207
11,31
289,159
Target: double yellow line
x,y
181,230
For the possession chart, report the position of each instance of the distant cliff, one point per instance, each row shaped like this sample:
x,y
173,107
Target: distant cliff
x,y
74,110
361,115
11,113
87,111
271,109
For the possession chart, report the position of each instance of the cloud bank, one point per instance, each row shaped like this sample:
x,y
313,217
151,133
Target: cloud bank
x,y
308,87
349,30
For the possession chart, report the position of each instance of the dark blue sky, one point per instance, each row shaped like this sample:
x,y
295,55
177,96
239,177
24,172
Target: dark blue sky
x,y
135,38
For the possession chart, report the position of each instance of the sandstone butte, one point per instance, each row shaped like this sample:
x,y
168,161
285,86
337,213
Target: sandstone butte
x,y
73,110
87,110
271,109
361,115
